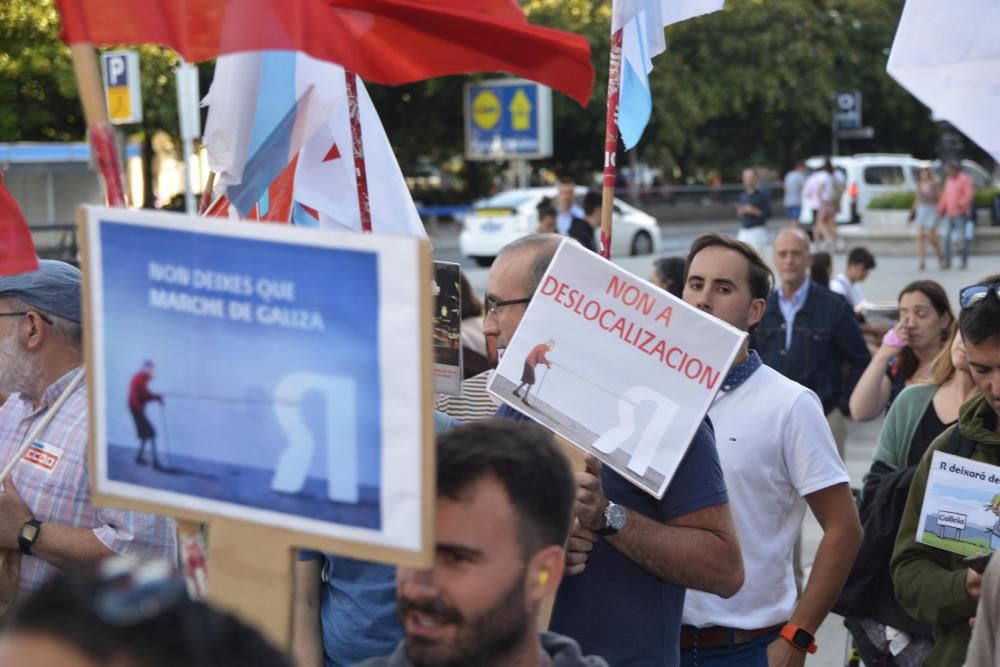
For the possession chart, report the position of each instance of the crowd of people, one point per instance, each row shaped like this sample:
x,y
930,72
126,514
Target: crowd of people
x,y
708,575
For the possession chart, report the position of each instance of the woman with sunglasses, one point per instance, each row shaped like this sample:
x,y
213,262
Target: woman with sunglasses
x,y
908,349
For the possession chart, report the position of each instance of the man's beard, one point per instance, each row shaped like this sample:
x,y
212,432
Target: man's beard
x,y
16,370
482,641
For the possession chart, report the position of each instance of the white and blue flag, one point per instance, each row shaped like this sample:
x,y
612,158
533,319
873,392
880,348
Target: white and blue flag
x,y
642,23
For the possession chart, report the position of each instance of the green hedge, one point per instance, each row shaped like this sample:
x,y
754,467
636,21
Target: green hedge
x,y
903,200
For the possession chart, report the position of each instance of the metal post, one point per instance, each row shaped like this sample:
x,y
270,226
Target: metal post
x,y
188,94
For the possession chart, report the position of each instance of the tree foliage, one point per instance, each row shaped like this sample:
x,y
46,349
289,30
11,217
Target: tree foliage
x,y
752,84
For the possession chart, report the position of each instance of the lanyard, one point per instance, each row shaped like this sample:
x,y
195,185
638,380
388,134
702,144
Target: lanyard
x,y
42,425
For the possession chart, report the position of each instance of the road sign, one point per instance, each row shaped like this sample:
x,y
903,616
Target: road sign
x,y
507,119
867,132
847,110
120,71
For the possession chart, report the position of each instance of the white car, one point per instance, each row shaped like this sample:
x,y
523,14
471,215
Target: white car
x,y
493,223
867,175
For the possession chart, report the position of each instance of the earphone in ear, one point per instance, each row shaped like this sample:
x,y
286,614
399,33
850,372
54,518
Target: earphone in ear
x,y
543,577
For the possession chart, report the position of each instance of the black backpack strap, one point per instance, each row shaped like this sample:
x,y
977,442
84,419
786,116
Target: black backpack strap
x,y
958,444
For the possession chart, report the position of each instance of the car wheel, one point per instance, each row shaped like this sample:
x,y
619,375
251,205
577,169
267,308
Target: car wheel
x,y
642,244
484,261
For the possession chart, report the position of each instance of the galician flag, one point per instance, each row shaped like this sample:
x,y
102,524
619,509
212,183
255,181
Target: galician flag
x,y
642,23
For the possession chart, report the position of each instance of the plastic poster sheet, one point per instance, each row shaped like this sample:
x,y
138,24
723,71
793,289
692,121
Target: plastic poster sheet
x,y
615,365
293,368
961,509
447,318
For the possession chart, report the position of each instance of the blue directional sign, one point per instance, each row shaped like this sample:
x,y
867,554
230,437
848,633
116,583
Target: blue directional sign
x,y
507,119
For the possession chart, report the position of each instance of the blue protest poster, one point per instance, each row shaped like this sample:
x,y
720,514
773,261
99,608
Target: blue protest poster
x,y
259,372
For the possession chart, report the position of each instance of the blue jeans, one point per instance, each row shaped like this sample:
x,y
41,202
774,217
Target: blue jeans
x,y
955,225
751,654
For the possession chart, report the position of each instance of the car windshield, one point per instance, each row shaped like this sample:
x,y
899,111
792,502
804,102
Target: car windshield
x,y
509,199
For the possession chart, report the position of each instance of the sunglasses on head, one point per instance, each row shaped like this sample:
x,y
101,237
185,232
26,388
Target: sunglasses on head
x,y
973,294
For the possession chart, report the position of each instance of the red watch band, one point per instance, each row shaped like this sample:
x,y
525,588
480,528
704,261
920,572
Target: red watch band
x,y
799,637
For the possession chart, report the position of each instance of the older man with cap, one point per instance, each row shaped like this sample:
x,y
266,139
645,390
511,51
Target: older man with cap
x,y
45,508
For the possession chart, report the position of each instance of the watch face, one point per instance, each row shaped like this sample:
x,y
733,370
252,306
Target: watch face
x,y
802,639
615,516
29,533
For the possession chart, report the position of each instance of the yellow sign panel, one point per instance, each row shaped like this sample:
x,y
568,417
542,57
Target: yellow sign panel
x,y
119,103
520,111
486,110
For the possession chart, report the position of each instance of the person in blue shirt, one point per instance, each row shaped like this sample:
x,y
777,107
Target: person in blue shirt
x,y
631,557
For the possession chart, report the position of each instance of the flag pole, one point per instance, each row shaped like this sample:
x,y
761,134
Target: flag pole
x,y
102,135
206,194
611,141
364,205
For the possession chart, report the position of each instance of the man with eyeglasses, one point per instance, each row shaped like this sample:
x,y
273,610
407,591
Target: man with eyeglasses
x,y
631,557
45,509
934,585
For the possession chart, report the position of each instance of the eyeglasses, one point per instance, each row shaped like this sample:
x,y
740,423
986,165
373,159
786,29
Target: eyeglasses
x,y
130,594
493,305
25,312
973,294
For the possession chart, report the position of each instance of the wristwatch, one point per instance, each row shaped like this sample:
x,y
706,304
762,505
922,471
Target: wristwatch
x,y
614,519
800,638
28,535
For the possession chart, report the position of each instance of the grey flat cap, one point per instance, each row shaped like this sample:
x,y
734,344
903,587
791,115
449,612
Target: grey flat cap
x,y
53,288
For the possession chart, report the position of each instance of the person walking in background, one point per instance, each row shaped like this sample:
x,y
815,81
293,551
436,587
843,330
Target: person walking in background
x,y
138,396
955,205
566,207
812,198
546,217
924,213
860,262
668,274
794,182
753,210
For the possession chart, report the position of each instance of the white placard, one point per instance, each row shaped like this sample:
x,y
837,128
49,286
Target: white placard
x,y
615,365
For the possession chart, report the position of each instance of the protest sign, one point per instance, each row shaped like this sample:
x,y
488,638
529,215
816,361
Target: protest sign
x,y
615,365
294,371
447,328
961,509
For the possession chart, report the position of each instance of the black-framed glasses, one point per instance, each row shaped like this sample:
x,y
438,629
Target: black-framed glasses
x,y
25,312
492,304
973,294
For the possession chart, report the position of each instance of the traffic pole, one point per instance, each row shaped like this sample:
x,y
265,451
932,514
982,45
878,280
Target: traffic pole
x,y
611,141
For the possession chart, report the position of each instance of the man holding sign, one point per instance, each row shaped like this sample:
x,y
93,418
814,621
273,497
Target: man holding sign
x,y
633,556
778,456
934,585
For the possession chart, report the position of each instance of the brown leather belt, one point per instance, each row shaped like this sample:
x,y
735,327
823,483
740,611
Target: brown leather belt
x,y
715,636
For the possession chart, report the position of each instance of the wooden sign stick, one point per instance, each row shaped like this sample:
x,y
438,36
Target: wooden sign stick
x,y
611,142
102,134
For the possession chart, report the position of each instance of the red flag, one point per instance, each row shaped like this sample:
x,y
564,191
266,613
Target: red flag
x,y
17,250
384,41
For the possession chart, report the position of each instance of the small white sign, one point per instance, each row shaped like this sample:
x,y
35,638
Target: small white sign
x,y
122,86
961,508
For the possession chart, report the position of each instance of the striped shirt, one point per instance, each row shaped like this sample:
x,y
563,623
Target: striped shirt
x,y
53,480
473,404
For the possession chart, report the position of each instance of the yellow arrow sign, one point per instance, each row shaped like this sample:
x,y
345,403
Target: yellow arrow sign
x,y
520,111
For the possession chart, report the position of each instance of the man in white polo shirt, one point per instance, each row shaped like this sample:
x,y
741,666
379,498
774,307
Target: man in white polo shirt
x,y
778,456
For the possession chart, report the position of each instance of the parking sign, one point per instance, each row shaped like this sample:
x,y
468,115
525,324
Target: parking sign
x,y
120,71
507,119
